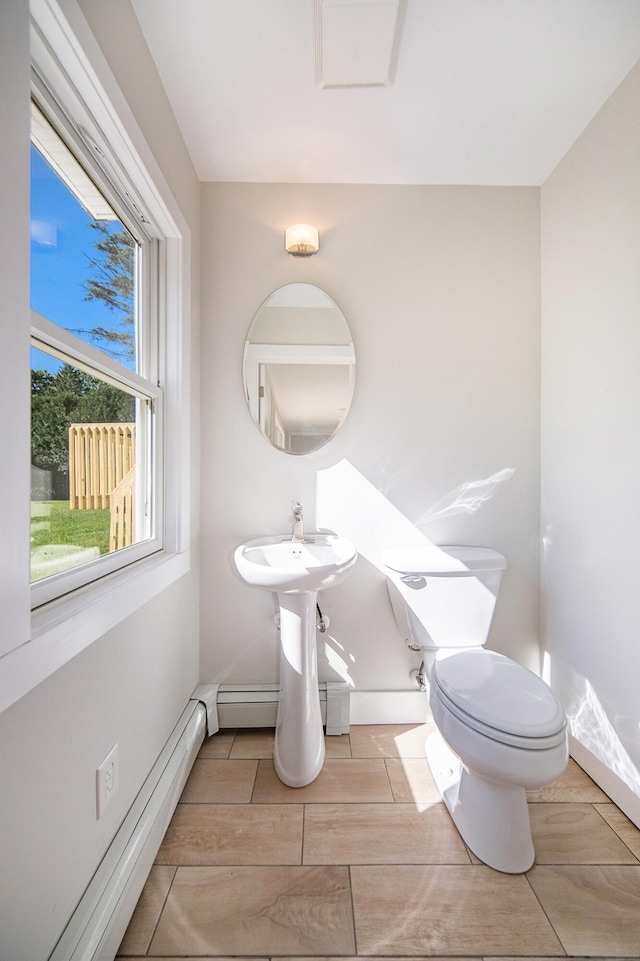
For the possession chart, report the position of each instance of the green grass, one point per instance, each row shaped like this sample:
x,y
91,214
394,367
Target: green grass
x,y
53,523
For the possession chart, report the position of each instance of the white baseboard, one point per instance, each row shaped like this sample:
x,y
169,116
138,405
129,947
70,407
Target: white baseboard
x,y
613,786
255,705
389,707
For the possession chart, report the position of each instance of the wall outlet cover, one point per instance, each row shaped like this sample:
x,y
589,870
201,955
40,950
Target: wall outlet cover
x,y
107,778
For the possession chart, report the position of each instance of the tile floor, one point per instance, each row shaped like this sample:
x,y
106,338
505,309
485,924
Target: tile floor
x,y
365,862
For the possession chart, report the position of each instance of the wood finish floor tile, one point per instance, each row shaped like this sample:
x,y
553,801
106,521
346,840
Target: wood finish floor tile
x,y
258,744
572,833
337,745
389,740
240,890
218,745
380,834
138,935
594,910
253,743
624,828
432,910
572,785
412,781
257,910
215,781
339,781
233,834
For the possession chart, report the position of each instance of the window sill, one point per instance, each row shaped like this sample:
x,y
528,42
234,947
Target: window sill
x,y
64,628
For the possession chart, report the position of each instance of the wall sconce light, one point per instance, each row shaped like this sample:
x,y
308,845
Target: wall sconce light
x,y
301,240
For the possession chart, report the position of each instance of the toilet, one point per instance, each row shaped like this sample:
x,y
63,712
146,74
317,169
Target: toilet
x,y
500,729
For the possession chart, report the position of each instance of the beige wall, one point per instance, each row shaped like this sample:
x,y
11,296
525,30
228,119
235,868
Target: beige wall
x,y
440,287
590,446
131,685
128,688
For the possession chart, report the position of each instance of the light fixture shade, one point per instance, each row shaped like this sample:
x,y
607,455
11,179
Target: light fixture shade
x,y
302,240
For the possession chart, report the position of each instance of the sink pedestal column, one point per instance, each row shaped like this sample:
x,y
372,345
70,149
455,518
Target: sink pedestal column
x,y
298,753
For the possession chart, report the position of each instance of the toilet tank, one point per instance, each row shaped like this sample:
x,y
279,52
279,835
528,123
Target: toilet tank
x,y
444,597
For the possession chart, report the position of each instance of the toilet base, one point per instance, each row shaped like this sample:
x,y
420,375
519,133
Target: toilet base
x,y
491,816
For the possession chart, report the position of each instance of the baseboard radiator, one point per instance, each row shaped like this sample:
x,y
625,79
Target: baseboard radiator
x,y
100,920
256,705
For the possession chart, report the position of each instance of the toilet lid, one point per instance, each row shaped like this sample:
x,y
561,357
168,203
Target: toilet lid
x,y
499,693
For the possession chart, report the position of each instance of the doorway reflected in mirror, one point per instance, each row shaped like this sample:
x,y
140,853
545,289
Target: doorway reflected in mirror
x,y
299,368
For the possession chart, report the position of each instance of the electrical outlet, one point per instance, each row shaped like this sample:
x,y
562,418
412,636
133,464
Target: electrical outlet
x,y
107,777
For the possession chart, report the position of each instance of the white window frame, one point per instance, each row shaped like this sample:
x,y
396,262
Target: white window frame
x,y
49,338
69,62
145,385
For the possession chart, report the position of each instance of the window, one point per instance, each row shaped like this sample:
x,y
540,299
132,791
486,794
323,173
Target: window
x,y
94,381
108,167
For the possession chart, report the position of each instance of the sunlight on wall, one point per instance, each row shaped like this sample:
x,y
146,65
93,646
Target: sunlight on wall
x,y
334,661
588,721
348,503
546,668
589,724
467,498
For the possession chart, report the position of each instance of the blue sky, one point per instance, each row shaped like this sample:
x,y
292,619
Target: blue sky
x,y
62,243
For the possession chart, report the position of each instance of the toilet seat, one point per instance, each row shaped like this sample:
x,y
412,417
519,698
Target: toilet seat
x,y
499,698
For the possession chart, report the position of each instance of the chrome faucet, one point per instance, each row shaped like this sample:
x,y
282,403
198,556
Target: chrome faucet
x,y
298,531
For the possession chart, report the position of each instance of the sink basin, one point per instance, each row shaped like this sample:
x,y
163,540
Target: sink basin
x,y
278,564
296,571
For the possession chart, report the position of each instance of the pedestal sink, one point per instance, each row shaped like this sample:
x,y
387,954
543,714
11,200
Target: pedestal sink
x,y
296,571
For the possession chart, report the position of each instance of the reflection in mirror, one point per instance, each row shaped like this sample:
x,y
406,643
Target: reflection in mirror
x,y
299,368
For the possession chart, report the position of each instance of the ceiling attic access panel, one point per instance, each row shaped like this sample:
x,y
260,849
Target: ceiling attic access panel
x,y
357,41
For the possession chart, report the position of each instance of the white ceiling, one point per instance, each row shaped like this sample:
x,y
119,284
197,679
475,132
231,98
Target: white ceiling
x,y
485,91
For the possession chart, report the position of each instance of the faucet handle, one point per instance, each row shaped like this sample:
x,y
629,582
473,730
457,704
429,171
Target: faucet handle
x,y
297,509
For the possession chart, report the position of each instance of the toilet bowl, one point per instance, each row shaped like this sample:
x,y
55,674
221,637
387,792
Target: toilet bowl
x,y
500,729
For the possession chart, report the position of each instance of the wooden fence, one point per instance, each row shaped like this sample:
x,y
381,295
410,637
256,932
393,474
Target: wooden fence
x,y
100,456
122,532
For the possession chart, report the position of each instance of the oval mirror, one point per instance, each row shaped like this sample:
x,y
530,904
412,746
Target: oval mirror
x,y
299,368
